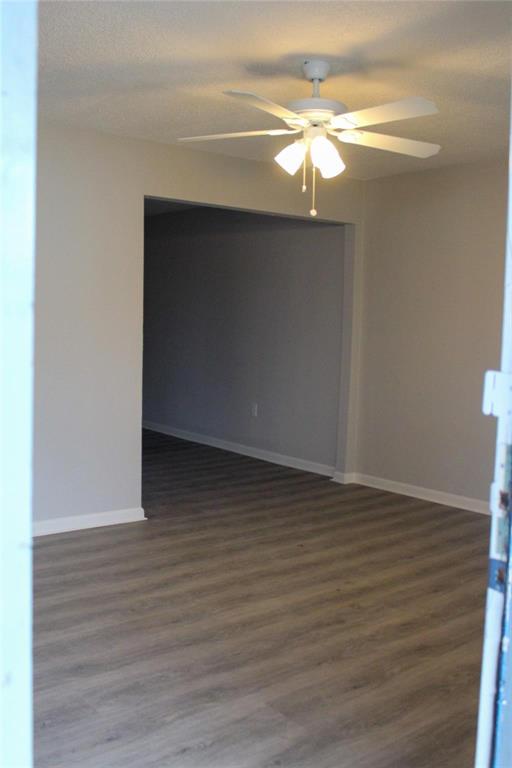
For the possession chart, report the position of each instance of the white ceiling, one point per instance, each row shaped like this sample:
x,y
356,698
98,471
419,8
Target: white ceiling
x,y
156,70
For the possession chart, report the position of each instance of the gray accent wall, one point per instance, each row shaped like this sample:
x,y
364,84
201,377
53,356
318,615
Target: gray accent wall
x,y
242,309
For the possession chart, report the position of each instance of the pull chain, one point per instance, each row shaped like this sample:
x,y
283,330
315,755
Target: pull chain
x,y
304,175
313,210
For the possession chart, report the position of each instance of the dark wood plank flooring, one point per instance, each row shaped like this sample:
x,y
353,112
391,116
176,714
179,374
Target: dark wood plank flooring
x,y
262,617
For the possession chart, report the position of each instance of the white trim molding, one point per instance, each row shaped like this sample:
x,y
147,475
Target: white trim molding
x,y
346,478
416,491
80,522
244,450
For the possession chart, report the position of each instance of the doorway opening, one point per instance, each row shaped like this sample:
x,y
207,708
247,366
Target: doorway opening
x,y
243,335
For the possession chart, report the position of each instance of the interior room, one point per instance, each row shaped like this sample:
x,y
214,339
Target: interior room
x,y
242,333
269,271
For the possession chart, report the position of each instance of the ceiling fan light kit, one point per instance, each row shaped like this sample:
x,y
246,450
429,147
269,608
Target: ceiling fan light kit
x,y
291,157
326,157
317,119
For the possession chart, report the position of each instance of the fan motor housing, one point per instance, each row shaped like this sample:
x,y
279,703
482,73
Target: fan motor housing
x,y
316,109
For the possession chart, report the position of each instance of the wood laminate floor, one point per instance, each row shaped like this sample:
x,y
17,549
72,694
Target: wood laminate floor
x,y
261,617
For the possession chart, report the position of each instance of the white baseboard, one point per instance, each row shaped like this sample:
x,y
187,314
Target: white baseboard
x,y
416,491
80,522
345,478
427,494
245,450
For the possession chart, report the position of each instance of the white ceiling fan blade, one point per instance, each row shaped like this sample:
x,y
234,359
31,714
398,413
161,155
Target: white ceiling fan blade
x,y
416,106
260,102
390,143
240,135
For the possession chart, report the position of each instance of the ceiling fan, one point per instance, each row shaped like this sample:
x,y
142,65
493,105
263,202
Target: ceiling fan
x,y
317,118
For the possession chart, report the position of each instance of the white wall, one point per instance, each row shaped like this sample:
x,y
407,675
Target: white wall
x,y
240,309
88,401
434,252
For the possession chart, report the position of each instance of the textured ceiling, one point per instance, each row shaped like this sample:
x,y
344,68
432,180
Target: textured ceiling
x,y
156,70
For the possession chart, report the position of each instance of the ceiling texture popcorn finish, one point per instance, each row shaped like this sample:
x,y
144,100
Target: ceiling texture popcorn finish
x,y
157,70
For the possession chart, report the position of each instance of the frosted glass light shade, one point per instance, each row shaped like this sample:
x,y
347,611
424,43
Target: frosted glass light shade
x,y
326,157
291,157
